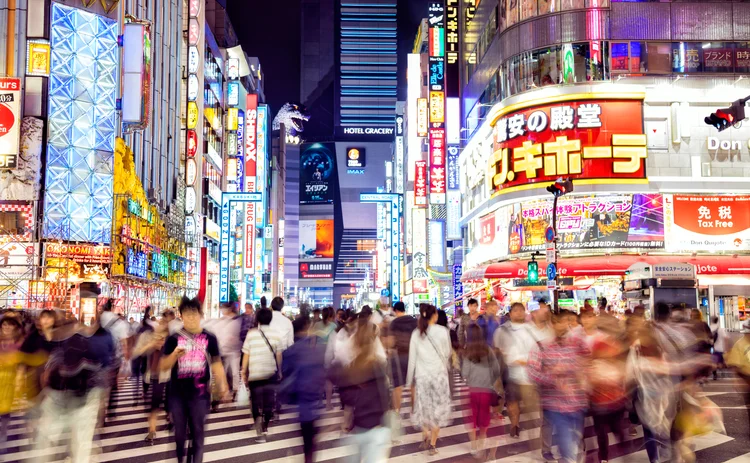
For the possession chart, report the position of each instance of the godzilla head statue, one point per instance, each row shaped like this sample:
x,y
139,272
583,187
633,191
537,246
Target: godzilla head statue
x,y
293,116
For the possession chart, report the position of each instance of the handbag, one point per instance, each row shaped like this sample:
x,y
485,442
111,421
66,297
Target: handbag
x,y
243,396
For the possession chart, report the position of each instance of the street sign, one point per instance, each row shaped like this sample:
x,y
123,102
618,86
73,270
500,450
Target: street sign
x,y
551,255
551,284
549,234
385,292
551,271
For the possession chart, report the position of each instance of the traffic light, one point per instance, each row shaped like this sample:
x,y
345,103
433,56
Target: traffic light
x,y
533,269
561,187
724,118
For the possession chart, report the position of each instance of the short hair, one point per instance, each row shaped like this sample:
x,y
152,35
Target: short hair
x,y
190,305
516,305
300,324
277,304
714,319
108,305
47,313
229,305
662,312
264,316
399,307
542,300
264,302
472,301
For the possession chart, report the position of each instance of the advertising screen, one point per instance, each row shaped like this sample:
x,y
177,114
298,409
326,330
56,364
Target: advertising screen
x,y
589,222
315,239
309,270
701,223
316,173
584,140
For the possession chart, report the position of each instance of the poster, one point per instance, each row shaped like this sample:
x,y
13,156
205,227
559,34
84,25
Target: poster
x,y
589,222
315,239
490,238
316,171
703,223
512,12
10,116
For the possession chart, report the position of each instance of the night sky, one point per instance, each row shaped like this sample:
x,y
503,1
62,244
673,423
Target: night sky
x,y
270,30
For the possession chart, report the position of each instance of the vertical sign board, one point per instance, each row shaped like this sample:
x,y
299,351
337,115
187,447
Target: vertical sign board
x,y
261,176
420,184
453,202
10,119
194,64
251,161
240,150
436,78
419,256
399,174
413,94
395,250
451,47
436,237
458,287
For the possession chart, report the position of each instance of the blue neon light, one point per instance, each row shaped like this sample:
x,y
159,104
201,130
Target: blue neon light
x,y
81,135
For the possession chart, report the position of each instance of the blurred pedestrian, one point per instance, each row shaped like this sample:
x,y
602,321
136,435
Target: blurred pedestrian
x,y
11,336
400,331
739,360
324,330
149,347
558,367
429,357
193,356
720,339
474,316
227,330
303,379
261,370
481,370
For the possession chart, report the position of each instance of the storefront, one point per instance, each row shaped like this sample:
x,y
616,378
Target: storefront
x,y
629,205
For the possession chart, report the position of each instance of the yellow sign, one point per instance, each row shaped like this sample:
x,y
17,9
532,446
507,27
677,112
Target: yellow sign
x,y
437,107
232,118
422,117
37,58
192,115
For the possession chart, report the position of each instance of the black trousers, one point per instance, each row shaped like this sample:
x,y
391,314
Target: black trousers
x,y
309,430
189,412
262,401
603,424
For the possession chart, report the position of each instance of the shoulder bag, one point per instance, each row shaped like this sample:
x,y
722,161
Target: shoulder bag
x,y
277,375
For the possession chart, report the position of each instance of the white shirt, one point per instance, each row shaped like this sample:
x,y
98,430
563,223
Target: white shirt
x,y
340,349
262,361
117,327
227,332
284,328
515,341
721,339
429,355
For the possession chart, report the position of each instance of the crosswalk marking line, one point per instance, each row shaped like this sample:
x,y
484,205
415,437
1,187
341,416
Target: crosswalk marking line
x,y
700,442
740,459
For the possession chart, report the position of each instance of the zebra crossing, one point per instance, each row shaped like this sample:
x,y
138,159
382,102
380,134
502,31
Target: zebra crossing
x,y
230,437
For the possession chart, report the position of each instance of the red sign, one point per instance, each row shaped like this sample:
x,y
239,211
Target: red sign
x,y
419,285
192,143
251,145
487,232
437,163
81,253
420,183
712,215
590,139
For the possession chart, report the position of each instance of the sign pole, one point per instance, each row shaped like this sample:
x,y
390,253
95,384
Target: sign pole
x,y
556,289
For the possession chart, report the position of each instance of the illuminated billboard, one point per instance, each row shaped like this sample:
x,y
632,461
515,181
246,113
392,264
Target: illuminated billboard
x,y
316,172
315,239
81,138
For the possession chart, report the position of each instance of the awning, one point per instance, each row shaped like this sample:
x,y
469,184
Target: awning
x,y
615,265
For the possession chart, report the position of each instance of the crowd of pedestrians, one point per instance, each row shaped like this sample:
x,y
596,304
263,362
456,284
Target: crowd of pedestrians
x,y
537,367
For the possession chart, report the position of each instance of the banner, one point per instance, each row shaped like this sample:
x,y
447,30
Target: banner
x,y
309,270
315,239
583,140
703,223
316,171
589,222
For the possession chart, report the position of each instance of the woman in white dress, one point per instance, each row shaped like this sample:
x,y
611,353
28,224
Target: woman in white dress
x,y
429,354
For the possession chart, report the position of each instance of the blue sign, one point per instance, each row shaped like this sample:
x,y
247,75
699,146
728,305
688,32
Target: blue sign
x,y
385,292
226,200
549,234
551,272
393,238
458,287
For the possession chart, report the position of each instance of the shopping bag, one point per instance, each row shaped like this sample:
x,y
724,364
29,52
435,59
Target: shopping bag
x,y
243,396
392,420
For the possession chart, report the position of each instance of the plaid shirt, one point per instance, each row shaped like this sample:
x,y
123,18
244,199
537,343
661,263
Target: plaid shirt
x,y
558,367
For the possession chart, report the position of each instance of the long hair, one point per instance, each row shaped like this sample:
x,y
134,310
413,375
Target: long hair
x,y
476,347
426,311
326,315
364,339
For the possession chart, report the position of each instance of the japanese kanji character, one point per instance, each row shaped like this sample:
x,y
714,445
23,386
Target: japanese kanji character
x,y
537,121
725,212
588,116
704,213
501,131
630,147
561,118
516,126
562,157
527,158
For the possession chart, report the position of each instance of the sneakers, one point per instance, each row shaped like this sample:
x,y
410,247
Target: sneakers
x,y
547,456
262,438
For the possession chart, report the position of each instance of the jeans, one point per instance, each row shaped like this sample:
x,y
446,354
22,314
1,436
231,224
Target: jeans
x,y
603,424
262,399
308,439
652,445
568,430
374,444
192,412
64,411
231,362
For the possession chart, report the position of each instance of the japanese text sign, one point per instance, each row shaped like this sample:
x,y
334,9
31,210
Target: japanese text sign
x,y
422,117
700,223
437,166
591,139
420,183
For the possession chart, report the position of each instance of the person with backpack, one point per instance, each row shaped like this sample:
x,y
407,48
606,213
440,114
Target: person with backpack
x,y
260,370
481,370
192,354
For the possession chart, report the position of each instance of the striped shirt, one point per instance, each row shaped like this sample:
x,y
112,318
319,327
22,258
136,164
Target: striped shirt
x,y
558,366
262,362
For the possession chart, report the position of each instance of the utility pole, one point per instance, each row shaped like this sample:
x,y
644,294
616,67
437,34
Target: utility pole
x,y
559,188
